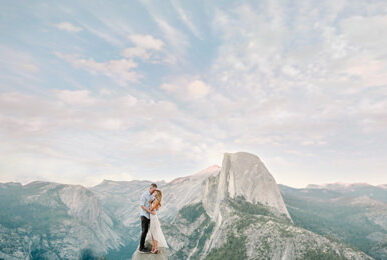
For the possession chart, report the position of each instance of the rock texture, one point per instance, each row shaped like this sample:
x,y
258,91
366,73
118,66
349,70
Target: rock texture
x,y
242,216
352,213
232,212
121,198
243,174
185,190
248,232
54,221
161,255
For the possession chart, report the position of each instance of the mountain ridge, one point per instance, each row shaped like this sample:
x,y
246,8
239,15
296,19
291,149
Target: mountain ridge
x,y
186,212
240,223
312,185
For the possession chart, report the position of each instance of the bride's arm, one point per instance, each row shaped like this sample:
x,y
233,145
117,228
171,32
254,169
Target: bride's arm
x,y
154,205
150,210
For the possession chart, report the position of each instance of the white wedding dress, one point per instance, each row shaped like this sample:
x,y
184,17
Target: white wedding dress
x,y
156,232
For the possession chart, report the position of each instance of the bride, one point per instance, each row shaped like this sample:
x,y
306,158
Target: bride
x,y
158,238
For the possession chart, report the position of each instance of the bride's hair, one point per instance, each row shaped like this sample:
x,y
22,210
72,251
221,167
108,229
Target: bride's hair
x,y
159,196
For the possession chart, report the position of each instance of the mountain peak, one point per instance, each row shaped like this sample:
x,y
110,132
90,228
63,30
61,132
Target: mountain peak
x,y
244,174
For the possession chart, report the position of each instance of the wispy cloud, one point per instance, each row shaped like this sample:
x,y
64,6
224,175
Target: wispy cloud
x,y
176,39
186,89
143,46
120,70
184,16
69,27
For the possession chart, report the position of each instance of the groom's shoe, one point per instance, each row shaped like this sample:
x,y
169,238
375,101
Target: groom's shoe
x,y
144,250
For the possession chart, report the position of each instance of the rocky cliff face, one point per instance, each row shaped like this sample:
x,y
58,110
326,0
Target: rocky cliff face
x,y
121,199
352,213
231,212
161,255
242,216
243,175
44,220
185,190
248,231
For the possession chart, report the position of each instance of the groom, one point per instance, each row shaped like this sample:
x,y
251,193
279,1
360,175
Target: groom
x,y
145,217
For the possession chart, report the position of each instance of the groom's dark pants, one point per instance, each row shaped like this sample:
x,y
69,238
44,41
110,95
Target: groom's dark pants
x,y
144,226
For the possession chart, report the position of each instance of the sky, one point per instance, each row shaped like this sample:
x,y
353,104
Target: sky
x,y
154,90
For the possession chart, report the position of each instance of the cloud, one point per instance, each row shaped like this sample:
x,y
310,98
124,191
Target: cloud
x,y
69,27
86,138
185,89
177,40
365,32
198,89
186,18
371,71
20,67
146,41
294,86
302,86
81,97
144,44
120,70
296,89
313,142
79,110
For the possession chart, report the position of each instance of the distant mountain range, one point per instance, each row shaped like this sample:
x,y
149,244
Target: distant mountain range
x,y
355,214
236,211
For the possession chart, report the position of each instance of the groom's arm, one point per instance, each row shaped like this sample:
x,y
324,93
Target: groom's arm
x,y
147,210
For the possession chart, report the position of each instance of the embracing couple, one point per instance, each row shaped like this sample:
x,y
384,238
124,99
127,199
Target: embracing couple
x,y
150,204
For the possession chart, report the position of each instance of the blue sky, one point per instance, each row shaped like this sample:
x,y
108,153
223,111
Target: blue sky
x,y
93,90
